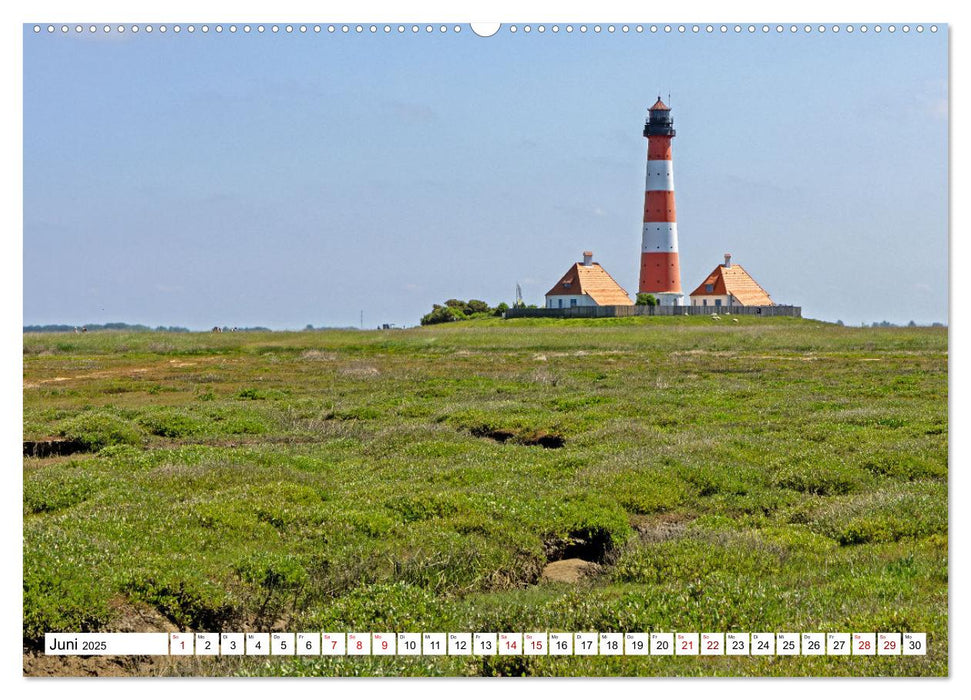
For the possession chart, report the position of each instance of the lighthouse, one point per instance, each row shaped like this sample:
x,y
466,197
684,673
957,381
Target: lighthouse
x,y
660,269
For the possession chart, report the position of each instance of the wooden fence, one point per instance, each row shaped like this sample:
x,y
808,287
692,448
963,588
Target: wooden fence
x,y
620,311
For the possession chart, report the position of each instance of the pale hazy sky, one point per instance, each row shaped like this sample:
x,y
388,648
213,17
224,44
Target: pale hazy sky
x,y
288,179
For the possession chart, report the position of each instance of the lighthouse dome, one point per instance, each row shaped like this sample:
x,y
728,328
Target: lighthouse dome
x,y
659,121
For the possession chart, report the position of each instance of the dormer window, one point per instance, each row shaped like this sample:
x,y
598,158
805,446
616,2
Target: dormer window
x,y
709,288
566,285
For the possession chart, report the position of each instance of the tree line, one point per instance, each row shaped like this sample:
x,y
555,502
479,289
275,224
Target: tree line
x,y
65,328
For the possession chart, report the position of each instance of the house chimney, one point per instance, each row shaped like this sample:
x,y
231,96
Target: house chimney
x,y
728,259
587,258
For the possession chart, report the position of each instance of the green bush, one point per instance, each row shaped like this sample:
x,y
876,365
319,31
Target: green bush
x,y
272,572
244,425
49,490
384,606
236,421
699,556
170,423
356,413
191,602
458,310
371,522
417,508
53,603
442,314
906,511
907,465
650,491
100,429
819,478
592,514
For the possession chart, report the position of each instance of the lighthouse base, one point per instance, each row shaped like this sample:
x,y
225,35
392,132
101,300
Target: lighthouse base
x,y
669,298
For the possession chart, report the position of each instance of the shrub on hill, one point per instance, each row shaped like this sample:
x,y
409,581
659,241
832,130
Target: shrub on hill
x,y
458,310
100,429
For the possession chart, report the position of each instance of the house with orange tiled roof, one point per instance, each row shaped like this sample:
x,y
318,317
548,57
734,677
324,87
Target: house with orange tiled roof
x,y
730,285
586,284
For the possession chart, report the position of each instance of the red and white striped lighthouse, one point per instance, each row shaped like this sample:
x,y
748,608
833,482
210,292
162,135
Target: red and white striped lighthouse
x,y
660,269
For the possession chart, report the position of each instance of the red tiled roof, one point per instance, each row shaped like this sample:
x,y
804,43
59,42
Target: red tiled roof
x,y
593,281
736,281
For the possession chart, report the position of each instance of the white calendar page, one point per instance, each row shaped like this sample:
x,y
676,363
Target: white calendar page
x,y
613,640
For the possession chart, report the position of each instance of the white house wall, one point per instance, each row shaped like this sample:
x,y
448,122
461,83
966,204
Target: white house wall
x,y
669,299
552,301
700,300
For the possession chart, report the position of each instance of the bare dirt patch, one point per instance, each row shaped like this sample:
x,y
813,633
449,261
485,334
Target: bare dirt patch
x,y
40,665
660,527
362,371
570,570
132,617
122,372
543,376
699,352
318,355
138,617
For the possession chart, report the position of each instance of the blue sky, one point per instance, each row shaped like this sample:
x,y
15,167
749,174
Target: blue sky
x,y
282,180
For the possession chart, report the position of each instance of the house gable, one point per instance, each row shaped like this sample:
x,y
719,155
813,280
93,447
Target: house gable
x,y
734,281
592,281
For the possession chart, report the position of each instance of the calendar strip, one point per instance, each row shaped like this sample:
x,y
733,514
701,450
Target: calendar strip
x,y
487,644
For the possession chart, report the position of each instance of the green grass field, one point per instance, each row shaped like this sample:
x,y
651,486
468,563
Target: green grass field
x,y
765,475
